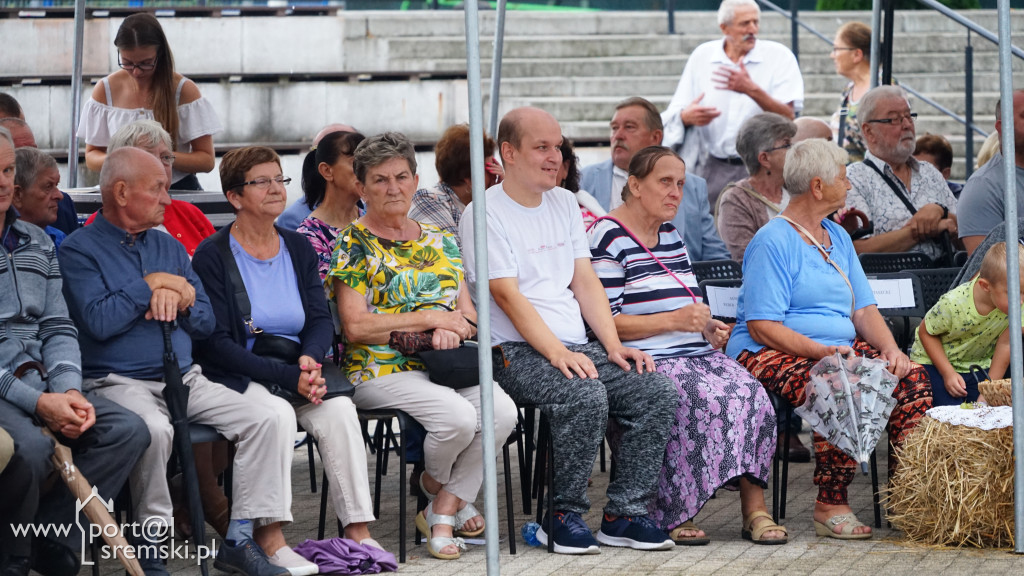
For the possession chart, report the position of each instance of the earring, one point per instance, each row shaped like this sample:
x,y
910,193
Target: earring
x,y
768,172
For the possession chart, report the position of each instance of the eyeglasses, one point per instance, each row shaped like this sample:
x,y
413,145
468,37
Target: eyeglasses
x,y
785,146
263,183
842,48
168,159
145,65
894,119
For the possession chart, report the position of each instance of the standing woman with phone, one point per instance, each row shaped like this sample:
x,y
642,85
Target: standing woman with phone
x,y
147,87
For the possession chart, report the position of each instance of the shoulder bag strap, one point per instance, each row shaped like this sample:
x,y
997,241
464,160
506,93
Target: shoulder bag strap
x,y
896,188
828,258
649,253
756,195
844,111
223,242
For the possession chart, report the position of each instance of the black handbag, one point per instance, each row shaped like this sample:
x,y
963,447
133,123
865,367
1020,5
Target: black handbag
x,y
273,347
456,368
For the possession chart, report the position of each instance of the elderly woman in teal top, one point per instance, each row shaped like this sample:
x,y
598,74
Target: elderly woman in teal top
x,y
805,297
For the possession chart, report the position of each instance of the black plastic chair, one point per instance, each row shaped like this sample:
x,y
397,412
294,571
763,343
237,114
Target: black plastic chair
x,y
934,283
881,263
905,313
717,270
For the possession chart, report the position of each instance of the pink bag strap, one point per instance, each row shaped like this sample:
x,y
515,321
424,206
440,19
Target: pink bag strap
x,y
649,253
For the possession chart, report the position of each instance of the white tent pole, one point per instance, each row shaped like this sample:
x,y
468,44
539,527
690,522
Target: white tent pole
x,y
876,39
1012,267
499,43
483,295
76,92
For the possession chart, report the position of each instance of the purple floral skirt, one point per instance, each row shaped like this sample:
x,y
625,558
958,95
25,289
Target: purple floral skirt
x,y
725,428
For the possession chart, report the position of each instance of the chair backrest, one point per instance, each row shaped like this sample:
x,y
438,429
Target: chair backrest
x,y
934,283
881,263
213,204
898,294
722,296
717,270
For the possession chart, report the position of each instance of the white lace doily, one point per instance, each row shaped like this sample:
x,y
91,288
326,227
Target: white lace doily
x,y
986,418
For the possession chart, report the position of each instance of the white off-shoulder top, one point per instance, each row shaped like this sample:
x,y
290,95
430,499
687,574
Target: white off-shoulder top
x,y
100,121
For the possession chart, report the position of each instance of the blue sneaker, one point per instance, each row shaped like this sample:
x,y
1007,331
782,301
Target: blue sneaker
x,y
571,534
637,532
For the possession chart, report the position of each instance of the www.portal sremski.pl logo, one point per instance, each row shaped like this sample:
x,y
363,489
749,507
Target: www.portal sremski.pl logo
x,y
154,538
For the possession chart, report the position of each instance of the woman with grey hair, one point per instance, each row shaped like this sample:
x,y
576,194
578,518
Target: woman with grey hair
x,y
813,300
391,273
36,196
182,220
745,206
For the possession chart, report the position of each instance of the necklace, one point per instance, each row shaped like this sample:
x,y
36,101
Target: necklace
x,y
262,248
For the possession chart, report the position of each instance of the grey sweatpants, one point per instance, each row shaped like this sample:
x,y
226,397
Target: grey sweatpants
x,y
644,405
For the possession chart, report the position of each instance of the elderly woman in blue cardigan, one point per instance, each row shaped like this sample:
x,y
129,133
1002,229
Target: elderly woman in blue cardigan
x,y
279,271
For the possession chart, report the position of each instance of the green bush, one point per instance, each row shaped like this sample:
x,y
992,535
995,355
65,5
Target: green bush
x,y
900,4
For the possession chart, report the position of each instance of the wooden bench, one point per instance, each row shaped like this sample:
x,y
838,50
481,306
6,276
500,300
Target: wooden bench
x,y
213,204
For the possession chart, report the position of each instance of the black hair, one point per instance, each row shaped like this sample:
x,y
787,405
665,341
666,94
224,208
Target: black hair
x,y
330,148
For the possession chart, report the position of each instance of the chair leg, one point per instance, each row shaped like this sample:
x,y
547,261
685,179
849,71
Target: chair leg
x,y
874,491
785,464
323,508
524,476
508,500
551,488
540,469
402,495
775,488
378,441
312,464
603,465
528,428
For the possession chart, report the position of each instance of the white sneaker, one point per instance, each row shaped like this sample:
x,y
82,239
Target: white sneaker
x,y
296,565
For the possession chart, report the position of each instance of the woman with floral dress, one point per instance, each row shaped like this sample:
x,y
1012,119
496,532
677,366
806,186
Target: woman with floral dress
x,y
391,273
725,424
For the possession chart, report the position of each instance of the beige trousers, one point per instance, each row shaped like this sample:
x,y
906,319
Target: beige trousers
x,y
258,487
335,426
452,450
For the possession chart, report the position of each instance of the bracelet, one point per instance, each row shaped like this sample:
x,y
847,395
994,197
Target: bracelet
x,y
945,211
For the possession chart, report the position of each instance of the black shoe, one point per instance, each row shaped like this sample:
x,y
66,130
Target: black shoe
x,y
51,558
414,480
797,451
246,558
16,566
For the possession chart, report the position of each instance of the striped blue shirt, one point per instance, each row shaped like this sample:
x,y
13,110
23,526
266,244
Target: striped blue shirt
x,y
636,285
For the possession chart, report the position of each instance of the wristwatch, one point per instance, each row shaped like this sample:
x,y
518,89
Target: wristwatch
x,y
945,211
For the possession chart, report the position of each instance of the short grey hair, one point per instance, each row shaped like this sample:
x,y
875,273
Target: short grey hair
x,y
29,162
759,133
727,10
6,135
120,165
140,134
378,149
810,159
866,110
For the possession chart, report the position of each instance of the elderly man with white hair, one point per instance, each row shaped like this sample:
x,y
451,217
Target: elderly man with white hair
x,y
725,82
908,202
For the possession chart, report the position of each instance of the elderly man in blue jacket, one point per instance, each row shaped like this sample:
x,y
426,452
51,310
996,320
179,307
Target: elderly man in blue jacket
x,y
635,126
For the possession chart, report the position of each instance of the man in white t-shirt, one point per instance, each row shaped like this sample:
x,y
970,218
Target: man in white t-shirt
x,y
724,83
542,289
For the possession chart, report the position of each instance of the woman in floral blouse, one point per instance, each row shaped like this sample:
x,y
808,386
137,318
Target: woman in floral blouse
x,y
391,273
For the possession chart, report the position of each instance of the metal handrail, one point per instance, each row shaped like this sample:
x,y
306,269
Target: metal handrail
x,y
970,25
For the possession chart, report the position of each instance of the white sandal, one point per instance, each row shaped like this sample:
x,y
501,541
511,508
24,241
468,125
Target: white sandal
x,y
425,520
465,515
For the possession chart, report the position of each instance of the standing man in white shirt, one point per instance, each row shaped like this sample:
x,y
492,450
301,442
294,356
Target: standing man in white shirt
x,y
724,83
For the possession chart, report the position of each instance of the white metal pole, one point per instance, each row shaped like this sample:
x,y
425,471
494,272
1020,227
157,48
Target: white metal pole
x,y
76,92
1012,267
876,39
499,43
483,295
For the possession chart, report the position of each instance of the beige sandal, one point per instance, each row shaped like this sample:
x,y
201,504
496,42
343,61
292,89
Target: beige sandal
x,y
846,533
425,520
677,535
754,534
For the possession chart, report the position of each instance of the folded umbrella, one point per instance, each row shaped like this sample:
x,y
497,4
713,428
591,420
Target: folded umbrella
x,y
176,395
81,489
848,400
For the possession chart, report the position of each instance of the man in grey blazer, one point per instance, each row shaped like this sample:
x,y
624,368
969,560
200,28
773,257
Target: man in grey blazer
x,y
636,125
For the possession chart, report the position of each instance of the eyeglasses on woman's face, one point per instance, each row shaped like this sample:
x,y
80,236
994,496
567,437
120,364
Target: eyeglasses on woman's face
x,y
144,65
263,183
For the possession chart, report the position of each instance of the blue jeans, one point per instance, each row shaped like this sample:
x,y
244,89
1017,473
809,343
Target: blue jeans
x,y
940,397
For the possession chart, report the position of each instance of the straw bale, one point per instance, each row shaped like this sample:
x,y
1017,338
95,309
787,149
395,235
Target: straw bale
x,y
954,486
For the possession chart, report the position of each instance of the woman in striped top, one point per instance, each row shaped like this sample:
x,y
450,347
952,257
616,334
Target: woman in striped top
x,y
725,423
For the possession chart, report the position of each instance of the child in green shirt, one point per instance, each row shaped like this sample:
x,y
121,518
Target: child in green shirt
x,y
968,325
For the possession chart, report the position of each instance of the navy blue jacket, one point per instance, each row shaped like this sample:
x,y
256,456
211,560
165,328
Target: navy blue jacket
x,y
223,355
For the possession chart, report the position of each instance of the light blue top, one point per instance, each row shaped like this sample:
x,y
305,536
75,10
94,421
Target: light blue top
x,y
273,292
786,280
293,215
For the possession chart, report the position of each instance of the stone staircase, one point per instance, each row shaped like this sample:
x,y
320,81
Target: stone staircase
x,y
278,79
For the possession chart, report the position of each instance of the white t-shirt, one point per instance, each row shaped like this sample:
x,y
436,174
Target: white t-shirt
x,y
537,246
771,66
619,178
